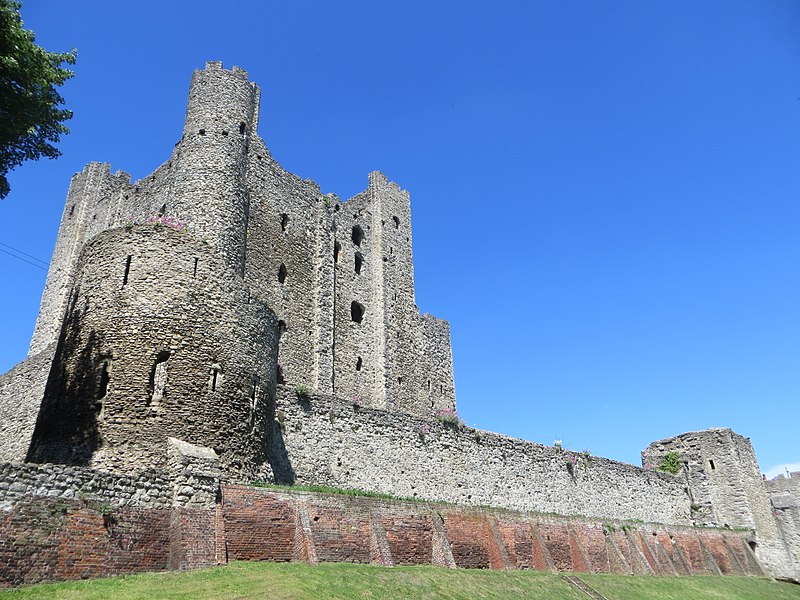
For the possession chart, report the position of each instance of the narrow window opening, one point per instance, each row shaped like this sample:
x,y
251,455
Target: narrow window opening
x,y
158,377
127,270
255,380
391,250
358,235
359,364
336,248
284,221
282,273
395,296
359,262
202,132
71,210
429,385
102,384
752,545
242,127
441,390
194,271
216,377
357,312
400,380
396,222
163,210
711,464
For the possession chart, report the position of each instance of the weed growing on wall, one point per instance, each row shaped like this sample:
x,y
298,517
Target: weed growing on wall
x,y
671,463
302,390
449,416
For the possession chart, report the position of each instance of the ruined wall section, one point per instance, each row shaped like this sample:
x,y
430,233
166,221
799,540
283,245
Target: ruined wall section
x,y
91,207
160,340
328,441
387,355
723,477
289,265
359,344
21,392
784,495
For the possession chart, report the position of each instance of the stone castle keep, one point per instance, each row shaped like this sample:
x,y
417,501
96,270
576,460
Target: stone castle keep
x,y
222,322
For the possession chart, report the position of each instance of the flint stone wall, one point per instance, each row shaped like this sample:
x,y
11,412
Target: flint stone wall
x,y
327,441
784,495
21,392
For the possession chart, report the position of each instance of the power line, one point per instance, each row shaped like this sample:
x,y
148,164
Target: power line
x,y
24,260
39,260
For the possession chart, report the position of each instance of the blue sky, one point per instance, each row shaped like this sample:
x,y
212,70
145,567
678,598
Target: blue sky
x,y
604,194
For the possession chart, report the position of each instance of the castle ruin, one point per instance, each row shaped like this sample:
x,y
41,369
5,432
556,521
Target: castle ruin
x,y
221,321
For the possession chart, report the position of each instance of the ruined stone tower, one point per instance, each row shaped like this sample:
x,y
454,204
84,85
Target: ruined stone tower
x,y
153,333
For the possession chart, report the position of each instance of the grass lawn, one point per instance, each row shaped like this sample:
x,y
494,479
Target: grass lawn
x,y
298,581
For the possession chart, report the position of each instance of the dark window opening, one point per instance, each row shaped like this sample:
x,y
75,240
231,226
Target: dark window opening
x,y
282,273
216,377
711,464
102,385
336,207
752,545
336,248
358,235
163,210
429,385
281,327
71,210
194,272
357,312
359,364
359,262
127,270
391,250
396,222
242,128
279,374
441,390
225,133
399,380
202,132
158,377
284,221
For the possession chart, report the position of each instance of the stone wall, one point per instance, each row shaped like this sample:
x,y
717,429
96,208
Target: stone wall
x,y
327,441
66,522
724,480
21,393
784,495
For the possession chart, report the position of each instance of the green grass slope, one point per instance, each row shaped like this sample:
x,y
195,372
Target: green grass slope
x,y
300,582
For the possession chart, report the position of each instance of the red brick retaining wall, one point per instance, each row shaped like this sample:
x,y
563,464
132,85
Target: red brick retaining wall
x,y
45,539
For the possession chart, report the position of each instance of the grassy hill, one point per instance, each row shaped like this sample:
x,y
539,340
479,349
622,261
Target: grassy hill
x,y
298,581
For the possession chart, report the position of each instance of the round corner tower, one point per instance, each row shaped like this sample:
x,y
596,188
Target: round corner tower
x,y
160,340
209,190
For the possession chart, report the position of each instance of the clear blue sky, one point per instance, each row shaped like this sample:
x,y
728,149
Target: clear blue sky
x,y
605,194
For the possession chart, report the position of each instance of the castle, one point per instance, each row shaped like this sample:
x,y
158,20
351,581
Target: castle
x,y
221,321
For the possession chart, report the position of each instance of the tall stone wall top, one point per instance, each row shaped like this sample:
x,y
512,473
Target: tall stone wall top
x,y
327,441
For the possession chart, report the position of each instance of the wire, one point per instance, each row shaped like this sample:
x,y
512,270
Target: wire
x,y
24,260
39,260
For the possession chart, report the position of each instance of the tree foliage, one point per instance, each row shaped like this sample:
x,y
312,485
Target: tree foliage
x,y
671,463
31,119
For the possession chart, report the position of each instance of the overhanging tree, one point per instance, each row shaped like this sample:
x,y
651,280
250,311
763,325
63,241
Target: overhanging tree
x,y
31,119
